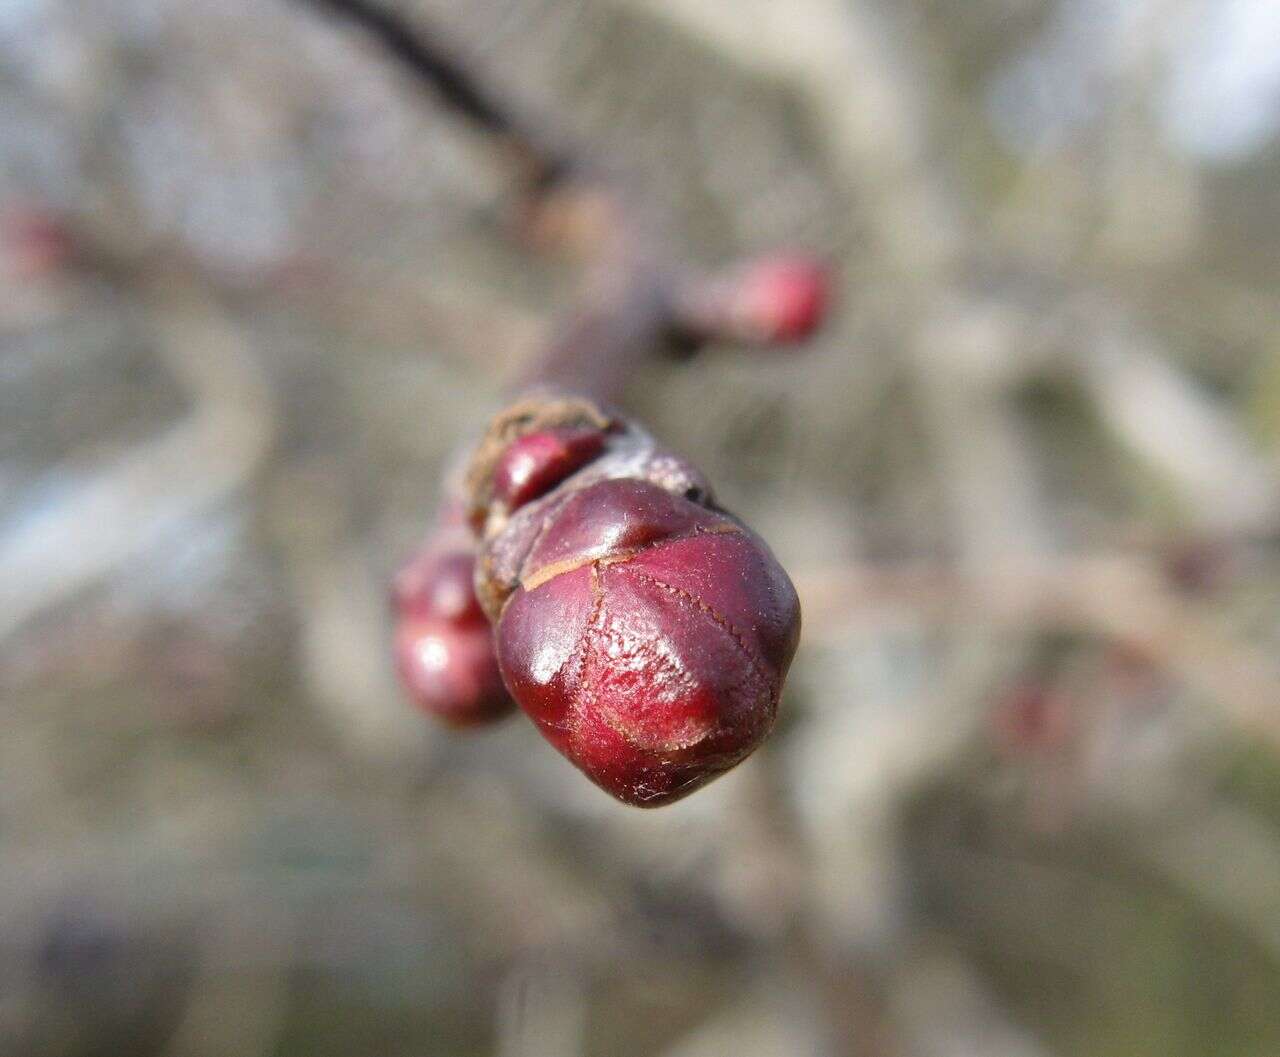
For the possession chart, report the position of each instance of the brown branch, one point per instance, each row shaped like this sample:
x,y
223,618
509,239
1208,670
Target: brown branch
x,y
543,158
640,299
627,308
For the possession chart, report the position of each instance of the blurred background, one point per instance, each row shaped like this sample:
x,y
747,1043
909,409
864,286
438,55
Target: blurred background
x,y
1024,796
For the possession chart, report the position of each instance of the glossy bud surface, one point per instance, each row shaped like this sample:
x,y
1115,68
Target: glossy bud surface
x,y
648,638
444,650
537,462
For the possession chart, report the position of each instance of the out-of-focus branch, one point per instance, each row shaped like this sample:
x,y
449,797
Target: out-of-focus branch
x,y
1123,597
835,51
1228,859
120,510
863,87
1165,418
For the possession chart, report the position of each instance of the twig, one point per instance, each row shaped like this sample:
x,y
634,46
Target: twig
x,y
639,298
559,441
422,54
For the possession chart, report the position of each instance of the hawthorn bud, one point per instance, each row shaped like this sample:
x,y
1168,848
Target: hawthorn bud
x,y
537,462
781,298
444,648
645,632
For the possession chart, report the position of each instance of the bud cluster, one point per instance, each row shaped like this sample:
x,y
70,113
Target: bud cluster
x,y
644,630
590,577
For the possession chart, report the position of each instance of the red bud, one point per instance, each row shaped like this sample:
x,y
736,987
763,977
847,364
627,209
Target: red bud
x,y
648,639
444,647
781,298
439,584
537,462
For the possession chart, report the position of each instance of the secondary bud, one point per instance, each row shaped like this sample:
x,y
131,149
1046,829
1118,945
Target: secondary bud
x,y
439,584
537,462
781,298
444,648
778,299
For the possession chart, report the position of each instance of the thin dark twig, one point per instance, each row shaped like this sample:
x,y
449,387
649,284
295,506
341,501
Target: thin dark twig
x,y
639,299
628,310
425,56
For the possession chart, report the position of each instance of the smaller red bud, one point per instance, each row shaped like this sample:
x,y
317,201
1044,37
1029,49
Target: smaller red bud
x,y
450,672
537,462
444,648
781,298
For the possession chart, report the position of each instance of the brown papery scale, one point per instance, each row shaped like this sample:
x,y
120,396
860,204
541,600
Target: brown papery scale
x,y
644,630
